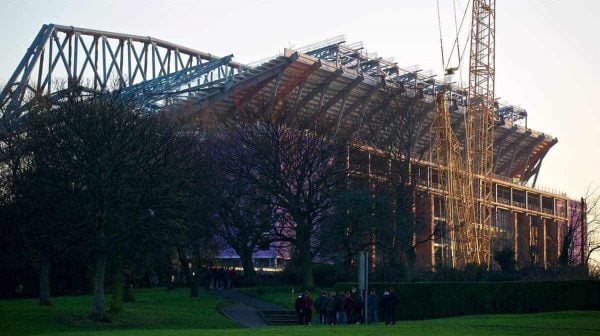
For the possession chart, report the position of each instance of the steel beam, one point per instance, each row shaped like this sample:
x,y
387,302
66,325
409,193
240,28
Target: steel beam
x,y
363,101
383,104
524,152
99,56
319,89
284,93
336,98
512,145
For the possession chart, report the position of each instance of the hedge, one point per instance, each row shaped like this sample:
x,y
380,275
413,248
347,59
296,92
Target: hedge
x,y
432,300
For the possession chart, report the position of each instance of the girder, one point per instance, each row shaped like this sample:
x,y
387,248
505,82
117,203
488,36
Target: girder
x,y
169,85
103,61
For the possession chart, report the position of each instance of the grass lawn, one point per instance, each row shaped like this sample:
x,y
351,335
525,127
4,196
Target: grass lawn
x,y
153,309
160,312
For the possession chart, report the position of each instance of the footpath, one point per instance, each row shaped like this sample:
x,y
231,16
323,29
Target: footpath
x,y
246,310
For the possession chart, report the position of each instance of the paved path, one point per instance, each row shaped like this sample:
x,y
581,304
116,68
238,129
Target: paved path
x,y
245,310
244,315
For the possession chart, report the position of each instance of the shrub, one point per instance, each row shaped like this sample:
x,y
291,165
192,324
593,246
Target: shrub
x,y
432,300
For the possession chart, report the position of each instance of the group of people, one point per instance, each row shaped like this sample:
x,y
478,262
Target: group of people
x,y
347,307
221,278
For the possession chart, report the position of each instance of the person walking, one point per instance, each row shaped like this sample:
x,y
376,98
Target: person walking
x,y
298,306
330,308
357,305
321,307
396,302
387,304
348,306
306,305
340,312
373,307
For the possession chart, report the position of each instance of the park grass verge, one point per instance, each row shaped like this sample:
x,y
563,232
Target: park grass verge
x,y
160,312
153,309
574,323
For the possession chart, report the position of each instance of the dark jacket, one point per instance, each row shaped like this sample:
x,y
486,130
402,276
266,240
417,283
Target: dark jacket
x,y
373,302
306,303
321,304
348,303
358,300
330,305
387,302
298,304
340,299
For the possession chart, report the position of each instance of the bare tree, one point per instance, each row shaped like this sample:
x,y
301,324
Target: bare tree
x,y
242,215
299,170
401,125
126,163
581,238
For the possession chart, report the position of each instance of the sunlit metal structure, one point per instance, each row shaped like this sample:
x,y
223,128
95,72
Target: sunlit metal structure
x,y
331,82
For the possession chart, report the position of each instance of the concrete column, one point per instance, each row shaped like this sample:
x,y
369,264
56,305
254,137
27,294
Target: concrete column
x,y
544,243
516,234
553,244
524,241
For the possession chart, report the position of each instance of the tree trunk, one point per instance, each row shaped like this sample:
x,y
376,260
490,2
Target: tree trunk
x,y
98,312
250,278
128,294
196,276
306,268
116,304
563,259
45,284
184,261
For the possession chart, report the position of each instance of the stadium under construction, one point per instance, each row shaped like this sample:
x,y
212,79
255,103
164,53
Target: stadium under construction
x,y
334,82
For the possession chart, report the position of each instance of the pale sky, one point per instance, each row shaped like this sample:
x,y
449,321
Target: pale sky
x,y
547,51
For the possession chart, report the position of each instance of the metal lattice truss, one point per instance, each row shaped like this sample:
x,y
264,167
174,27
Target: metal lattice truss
x,y
454,178
330,81
480,125
147,69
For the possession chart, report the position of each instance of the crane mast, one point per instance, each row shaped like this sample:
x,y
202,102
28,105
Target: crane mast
x,y
480,121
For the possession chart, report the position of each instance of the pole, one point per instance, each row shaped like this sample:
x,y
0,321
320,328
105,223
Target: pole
x,y
363,280
583,231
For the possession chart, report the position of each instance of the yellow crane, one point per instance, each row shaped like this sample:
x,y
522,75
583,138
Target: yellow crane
x,y
467,179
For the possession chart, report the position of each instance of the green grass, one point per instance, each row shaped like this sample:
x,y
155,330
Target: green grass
x,y
160,312
153,309
546,324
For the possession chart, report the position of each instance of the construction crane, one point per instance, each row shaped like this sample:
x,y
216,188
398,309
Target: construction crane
x,y
480,123
467,179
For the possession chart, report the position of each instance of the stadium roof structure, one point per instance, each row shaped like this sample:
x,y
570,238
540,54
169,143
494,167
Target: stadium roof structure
x,y
349,88
331,80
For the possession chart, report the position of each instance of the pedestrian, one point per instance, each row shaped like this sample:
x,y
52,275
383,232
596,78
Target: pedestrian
x,y
233,277
348,306
357,306
298,306
396,302
307,304
373,307
340,312
321,307
227,278
211,278
221,278
387,304
330,308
